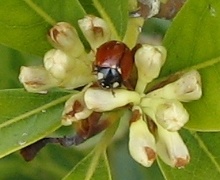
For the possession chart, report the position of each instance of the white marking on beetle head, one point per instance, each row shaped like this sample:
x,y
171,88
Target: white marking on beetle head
x,y
104,85
100,75
115,84
113,66
119,69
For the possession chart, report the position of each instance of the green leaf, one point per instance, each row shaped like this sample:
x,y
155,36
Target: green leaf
x,y
24,24
193,42
27,30
116,15
82,169
9,68
11,62
125,167
53,162
89,7
27,117
204,163
95,165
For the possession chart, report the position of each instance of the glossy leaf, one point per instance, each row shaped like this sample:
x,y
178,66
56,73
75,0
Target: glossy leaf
x,y
27,117
116,14
53,162
81,170
204,163
89,7
24,24
193,42
28,28
125,167
95,165
10,64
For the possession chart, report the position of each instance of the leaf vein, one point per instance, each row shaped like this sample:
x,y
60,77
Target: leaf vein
x,y
105,16
40,12
206,150
35,111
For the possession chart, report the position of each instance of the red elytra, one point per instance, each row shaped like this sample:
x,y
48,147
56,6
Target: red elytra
x,y
115,54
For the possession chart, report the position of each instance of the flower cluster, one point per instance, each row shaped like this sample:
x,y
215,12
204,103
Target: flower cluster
x,y
68,65
162,106
156,116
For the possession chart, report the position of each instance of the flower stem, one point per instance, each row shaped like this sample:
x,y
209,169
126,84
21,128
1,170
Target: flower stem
x,y
140,86
102,145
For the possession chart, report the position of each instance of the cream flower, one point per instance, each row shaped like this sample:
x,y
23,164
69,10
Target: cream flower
x,y
95,30
171,148
142,145
148,60
169,113
92,110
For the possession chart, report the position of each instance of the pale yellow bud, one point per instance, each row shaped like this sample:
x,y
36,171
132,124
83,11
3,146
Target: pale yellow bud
x,y
171,148
169,113
69,71
64,36
80,74
36,79
95,30
75,110
185,89
154,7
106,100
141,141
58,64
148,8
148,60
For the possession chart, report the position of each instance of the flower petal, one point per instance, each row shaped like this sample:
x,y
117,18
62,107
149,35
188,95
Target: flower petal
x,y
171,148
169,113
75,110
185,89
95,30
105,100
141,141
69,71
36,79
148,60
64,36
58,63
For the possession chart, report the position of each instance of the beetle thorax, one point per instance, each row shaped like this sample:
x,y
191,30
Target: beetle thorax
x,y
109,77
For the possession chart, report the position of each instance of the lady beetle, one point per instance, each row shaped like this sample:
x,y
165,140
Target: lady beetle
x,y
113,64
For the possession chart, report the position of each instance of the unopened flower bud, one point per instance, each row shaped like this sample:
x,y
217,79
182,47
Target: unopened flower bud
x,y
148,60
185,89
69,71
141,141
58,63
154,6
36,79
171,148
64,36
75,110
169,113
95,30
103,100
148,8
80,73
